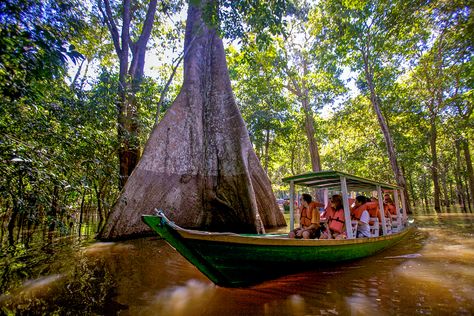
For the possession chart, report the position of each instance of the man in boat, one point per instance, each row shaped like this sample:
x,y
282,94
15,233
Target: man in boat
x,y
309,219
361,214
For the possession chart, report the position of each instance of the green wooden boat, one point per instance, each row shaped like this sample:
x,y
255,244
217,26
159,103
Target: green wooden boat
x,y
237,260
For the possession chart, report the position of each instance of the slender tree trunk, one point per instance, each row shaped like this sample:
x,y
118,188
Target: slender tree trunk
x,y
98,196
435,164
81,214
410,185
78,72
301,91
444,183
470,172
468,193
198,165
53,212
458,176
267,145
313,145
11,225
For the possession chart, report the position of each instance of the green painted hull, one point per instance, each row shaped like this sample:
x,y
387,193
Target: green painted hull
x,y
234,260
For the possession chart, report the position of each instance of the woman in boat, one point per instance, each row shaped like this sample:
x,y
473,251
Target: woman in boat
x,y
361,214
334,215
309,219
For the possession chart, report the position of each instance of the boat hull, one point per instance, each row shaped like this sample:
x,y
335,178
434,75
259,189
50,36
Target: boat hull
x,y
235,260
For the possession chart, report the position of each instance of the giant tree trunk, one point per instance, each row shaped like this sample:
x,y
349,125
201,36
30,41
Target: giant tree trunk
x,y
198,164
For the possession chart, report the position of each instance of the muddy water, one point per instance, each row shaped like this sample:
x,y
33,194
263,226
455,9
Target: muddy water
x,y
431,272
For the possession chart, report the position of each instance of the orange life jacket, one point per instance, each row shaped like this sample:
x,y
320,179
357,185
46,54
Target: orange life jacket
x,y
371,207
336,220
374,210
390,208
307,214
356,213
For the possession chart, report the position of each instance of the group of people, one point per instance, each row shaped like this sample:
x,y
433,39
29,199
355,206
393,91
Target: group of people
x,y
362,209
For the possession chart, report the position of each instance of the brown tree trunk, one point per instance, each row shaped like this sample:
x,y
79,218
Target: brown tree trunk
x,y
444,183
198,164
267,146
301,91
470,172
313,145
435,165
458,176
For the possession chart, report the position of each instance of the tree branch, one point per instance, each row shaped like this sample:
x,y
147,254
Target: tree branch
x,y
109,21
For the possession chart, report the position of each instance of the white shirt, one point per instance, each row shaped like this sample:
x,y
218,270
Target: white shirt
x,y
363,228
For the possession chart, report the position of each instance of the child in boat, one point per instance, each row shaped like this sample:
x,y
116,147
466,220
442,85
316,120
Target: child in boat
x,y
360,213
309,219
334,215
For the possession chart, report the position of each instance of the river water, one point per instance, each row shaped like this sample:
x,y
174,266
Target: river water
x,y
430,273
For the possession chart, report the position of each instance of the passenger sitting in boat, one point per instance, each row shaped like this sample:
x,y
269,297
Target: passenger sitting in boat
x,y
309,219
360,213
374,210
334,215
388,204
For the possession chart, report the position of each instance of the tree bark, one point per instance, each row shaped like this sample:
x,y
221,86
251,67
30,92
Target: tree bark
x,y
313,145
458,176
198,165
444,183
435,164
470,172
267,146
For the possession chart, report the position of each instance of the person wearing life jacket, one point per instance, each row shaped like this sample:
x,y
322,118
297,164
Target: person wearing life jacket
x,y
309,219
361,214
389,205
334,215
374,210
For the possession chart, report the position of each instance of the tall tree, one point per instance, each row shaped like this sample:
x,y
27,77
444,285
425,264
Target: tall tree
x,y
438,81
259,92
374,38
312,76
199,165
130,74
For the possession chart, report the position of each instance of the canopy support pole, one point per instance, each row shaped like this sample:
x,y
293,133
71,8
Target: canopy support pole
x,y
347,213
326,198
382,210
292,205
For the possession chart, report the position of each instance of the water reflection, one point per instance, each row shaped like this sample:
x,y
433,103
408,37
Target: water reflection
x,y
429,273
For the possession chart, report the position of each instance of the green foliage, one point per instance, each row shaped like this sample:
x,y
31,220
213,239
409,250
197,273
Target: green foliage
x,y
239,18
34,42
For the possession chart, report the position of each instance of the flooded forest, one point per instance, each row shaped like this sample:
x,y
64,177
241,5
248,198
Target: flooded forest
x,y
379,89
